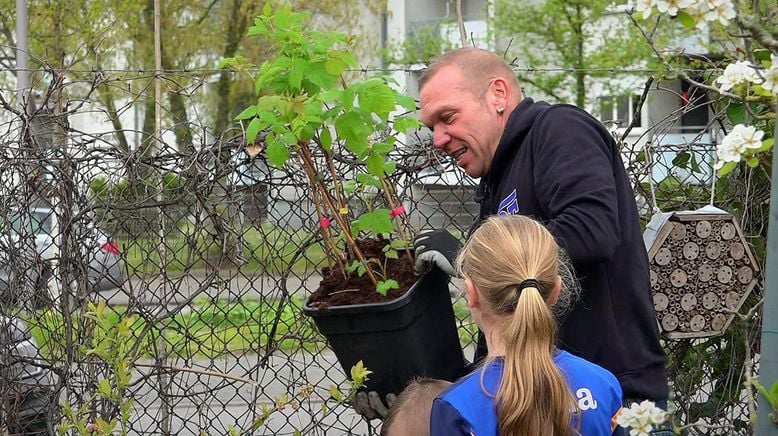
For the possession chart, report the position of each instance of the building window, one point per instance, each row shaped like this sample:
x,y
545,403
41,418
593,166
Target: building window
x,y
619,110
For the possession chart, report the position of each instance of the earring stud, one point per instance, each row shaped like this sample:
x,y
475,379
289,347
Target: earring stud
x,y
500,110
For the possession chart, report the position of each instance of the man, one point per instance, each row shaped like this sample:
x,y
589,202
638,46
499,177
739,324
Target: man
x,y
559,165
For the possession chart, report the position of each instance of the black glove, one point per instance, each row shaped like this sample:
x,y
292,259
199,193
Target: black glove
x,y
436,246
370,406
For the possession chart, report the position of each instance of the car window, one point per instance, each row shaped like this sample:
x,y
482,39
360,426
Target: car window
x,y
37,223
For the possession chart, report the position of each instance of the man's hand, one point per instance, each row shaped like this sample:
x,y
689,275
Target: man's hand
x,y
370,406
436,246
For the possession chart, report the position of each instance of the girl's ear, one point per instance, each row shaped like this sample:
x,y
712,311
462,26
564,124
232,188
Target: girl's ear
x,y
553,297
472,294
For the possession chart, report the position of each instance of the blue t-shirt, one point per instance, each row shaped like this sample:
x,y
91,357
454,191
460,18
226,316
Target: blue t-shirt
x,y
465,409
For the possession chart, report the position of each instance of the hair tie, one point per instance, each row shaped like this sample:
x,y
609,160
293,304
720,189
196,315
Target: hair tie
x,y
529,283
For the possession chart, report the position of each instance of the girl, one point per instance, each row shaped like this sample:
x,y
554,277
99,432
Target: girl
x,y
526,386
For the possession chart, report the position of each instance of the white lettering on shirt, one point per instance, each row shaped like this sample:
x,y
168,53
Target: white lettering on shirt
x,y
585,399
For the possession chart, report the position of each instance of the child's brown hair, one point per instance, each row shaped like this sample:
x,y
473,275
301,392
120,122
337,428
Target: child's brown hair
x,y
410,412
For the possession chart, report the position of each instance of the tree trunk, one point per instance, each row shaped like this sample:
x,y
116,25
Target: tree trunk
x,y
580,74
106,96
236,29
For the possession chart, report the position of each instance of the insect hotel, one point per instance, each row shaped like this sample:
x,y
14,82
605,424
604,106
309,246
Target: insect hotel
x,y
702,270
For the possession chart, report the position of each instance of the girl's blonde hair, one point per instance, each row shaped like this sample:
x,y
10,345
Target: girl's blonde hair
x,y
533,396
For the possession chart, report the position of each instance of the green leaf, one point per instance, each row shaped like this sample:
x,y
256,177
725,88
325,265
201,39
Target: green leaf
x,y
104,388
335,66
383,287
736,113
247,113
268,117
766,144
297,72
399,244
377,221
762,54
367,179
326,139
359,374
382,148
350,186
391,254
376,164
253,129
403,124
681,159
335,393
377,97
277,152
687,20
353,129
406,102
727,168
752,161
390,167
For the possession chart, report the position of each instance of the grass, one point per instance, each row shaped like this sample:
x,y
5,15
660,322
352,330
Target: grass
x,y
468,329
267,248
209,329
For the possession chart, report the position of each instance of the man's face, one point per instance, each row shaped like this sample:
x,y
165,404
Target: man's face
x,y
463,124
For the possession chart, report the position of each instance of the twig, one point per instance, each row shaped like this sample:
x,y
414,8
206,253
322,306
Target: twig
x,y
461,22
171,368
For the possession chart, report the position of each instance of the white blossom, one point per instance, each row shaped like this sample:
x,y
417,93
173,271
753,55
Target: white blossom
x,y
771,76
641,418
702,11
739,140
751,138
672,6
719,10
644,7
736,73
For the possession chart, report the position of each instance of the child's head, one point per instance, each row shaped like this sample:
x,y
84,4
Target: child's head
x,y
507,250
512,271
410,413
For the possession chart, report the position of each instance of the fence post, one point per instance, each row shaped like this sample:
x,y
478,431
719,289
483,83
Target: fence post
x,y
768,361
22,57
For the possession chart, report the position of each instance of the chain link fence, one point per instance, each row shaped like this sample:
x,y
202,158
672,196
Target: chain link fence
x,y
159,290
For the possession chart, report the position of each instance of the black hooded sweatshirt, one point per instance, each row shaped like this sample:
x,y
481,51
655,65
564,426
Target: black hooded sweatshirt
x,y
560,166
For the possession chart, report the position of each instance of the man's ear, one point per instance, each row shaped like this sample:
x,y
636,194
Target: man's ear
x,y
472,294
499,91
553,297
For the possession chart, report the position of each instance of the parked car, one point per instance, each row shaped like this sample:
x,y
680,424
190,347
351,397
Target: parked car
x,y
25,384
103,266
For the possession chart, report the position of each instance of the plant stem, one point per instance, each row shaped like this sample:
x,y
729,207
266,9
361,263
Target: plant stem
x,y
329,242
308,160
393,201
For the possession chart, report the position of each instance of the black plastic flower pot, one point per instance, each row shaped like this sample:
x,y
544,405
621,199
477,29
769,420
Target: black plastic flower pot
x,y
412,336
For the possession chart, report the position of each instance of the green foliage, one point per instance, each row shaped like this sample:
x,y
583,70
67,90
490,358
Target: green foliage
x,y
303,101
211,328
570,35
110,343
383,287
421,46
770,395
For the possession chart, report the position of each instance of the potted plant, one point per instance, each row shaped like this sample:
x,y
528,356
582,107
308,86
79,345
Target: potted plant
x,y
369,305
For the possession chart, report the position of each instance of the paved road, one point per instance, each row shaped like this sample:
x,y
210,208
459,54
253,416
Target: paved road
x,y
203,401
229,285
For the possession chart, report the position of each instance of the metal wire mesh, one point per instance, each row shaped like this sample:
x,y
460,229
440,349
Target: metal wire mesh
x,y
202,331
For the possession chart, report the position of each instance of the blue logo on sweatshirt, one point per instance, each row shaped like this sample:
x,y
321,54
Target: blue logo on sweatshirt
x,y
509,205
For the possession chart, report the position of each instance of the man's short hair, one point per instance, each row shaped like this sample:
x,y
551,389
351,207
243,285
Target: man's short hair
x,y
479,66
413,406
